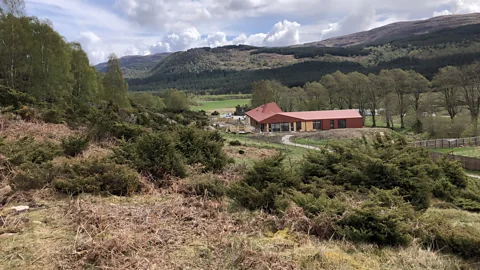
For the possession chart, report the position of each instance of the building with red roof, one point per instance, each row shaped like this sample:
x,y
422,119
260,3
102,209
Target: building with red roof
x,y
271,118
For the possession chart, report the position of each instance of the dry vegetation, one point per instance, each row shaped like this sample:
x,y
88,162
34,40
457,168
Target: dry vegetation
x,y
340,134
170,228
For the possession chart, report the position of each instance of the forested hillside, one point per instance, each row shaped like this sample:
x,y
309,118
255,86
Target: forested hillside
x,y
234,68
134,66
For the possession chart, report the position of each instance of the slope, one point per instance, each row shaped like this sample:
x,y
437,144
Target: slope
x,y
136,66
400,30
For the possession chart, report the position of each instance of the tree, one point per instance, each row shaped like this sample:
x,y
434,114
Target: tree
x,y
85,85
445,82
13,7
262,93
176,100
373,95
359,85
316,96
469,81
386,82
330,84
399,83
343,89
115,87
418,85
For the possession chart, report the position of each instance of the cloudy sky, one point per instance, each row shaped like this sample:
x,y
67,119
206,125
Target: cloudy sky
x,y
127,27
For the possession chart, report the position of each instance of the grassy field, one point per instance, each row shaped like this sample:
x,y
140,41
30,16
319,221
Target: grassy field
x,y
461,151
221,104
223,97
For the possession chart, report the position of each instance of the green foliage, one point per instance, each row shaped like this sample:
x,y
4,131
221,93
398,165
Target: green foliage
x,y
114,86
97,176
32,176
314,205
385,220
204,147
385,164
75,145
147,101
127,131
445,231
263,183
454,172
26,150
153,153
176,100
11,97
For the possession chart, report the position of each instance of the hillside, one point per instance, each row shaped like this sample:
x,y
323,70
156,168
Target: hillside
x,y
424,46
400,30
136,66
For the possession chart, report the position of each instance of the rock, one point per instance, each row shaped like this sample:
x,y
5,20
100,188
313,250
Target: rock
x,y
21,208
7,235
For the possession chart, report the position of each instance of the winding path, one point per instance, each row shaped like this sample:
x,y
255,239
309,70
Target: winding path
x,y
286,140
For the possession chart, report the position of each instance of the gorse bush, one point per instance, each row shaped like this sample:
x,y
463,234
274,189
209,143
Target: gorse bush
x,y
127,131
96,176
453,171
26,150
30,176
153,153
385,219
75,145
203,147
384,163
261,185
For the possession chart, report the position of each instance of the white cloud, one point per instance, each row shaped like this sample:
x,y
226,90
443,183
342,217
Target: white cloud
x,y
465,6
441,13
283,34
94,47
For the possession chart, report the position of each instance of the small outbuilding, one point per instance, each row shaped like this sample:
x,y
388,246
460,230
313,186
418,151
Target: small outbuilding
x,y
270,118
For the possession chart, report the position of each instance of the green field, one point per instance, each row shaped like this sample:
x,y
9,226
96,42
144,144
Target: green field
x,y
221,104
461,151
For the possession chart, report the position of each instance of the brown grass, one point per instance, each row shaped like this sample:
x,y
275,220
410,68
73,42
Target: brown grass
x,y
341,134
15,129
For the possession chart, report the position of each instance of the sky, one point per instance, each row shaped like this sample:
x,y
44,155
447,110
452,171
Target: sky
x,y
141,27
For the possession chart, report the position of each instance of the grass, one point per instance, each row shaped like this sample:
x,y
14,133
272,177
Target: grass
x,y
311,142
461,151
221,104
223,97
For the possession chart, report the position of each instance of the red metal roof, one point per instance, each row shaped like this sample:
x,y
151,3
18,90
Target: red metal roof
x,y
326,115
260,113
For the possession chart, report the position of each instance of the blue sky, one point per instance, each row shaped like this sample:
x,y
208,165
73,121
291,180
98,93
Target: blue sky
x,y
126,27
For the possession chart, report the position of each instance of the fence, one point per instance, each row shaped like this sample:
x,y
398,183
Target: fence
x,y
468,163
449,143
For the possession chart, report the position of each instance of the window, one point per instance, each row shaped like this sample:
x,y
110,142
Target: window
x,y
285,127
299,126
292,127
317,125
342,123
275,127
332,124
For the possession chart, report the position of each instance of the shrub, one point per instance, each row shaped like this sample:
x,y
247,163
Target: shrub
x,y
204,147
206,185
26,150
97,176
127,131
235,143
75,145
32,176
313,205
384,220
444,230
54,116
384,163
263,183
153,153
453,171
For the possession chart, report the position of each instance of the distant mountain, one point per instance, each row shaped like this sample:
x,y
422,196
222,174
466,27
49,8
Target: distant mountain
x,y
424,46
135,66
400,30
